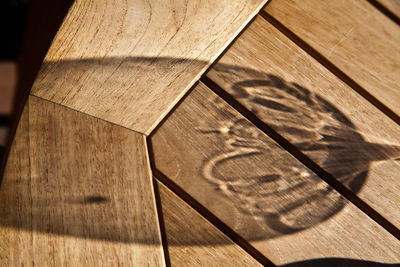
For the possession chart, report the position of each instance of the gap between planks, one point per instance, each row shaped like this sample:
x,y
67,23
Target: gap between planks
x,y
330,66
159,211
91,116
203,211
304,159
327,177
188,199
353,198
387,12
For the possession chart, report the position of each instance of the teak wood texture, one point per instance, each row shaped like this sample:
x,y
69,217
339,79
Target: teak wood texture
x,y
307,95
208,247
77,191
129,62
259,190
354,36
318,113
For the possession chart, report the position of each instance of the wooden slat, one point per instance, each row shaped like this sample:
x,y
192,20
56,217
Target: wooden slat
x,y
315,111
354,36
259,189
392,5
16,244
129,62
77,191
193,241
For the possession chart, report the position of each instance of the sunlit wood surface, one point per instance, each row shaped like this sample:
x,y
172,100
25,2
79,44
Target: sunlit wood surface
x,y
193,240
77,191
315,111
354,36
129,62
167,133
258,189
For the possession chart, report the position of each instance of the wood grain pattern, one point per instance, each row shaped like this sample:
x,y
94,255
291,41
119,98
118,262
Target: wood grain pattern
x,y
77,191
315,111
391,5
259,189
210,247
354,36
129,62
16,243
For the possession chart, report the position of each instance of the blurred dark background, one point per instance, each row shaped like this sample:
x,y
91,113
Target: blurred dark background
x,y
13,15
12,22
27,28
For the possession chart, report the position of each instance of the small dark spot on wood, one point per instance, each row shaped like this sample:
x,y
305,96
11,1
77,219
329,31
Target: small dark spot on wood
x,y
96,199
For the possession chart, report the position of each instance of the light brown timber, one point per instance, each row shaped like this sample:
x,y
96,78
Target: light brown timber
x,y
259,190
355,36
129,62
77,191
317,112
193,241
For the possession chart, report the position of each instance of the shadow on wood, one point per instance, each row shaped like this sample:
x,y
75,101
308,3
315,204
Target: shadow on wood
x,y
324,131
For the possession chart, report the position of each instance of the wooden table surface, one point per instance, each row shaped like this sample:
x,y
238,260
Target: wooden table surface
x,y
210,133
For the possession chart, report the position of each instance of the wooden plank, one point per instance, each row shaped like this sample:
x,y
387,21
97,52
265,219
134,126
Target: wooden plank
x,y
129,62
354,36
193,241
314,110
259,190
16,243
392,5
77,191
